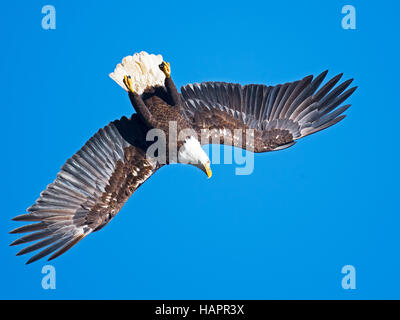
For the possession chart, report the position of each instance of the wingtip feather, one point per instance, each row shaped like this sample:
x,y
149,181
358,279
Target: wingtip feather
x,y
15,242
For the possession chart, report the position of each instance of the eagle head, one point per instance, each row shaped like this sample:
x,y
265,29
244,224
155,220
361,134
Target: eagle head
x,y
192,153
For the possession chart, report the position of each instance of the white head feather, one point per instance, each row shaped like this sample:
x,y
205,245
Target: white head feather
x,y
192,153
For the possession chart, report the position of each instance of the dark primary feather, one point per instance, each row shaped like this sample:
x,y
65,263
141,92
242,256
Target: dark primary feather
x,y
88,192
278,114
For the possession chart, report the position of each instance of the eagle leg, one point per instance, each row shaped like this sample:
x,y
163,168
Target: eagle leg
x,y
165,67
128,83
138,103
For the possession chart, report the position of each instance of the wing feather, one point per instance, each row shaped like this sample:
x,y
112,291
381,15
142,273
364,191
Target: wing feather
x,y
88,192
279,115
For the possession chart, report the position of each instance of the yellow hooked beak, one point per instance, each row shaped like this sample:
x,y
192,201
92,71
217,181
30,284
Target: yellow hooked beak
x,y
208,170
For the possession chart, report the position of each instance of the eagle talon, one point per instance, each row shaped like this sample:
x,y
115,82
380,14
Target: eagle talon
x,y
166,68
128,83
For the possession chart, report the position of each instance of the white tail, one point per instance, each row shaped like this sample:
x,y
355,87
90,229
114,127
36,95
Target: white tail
x,y
143,69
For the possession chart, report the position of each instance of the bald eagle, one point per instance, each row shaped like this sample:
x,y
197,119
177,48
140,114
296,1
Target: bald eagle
x,y
95,182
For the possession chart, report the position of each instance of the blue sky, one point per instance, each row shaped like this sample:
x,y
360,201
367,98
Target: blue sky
x,y
283,232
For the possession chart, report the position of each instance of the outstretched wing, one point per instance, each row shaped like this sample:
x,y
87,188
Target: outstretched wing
x,y
278,114
88,192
